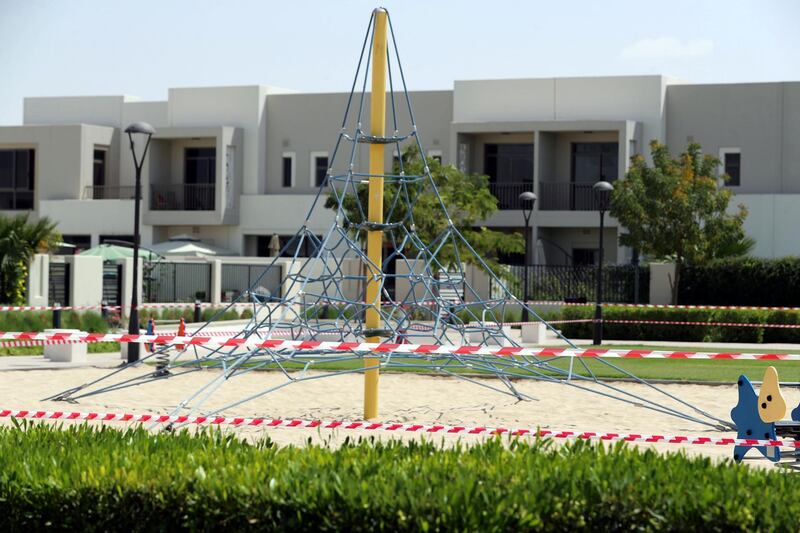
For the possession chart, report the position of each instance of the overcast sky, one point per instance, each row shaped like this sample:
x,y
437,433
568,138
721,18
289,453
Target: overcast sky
x,y
143,47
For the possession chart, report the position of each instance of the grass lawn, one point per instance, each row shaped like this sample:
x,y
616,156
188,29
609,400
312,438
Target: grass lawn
x,y
672,369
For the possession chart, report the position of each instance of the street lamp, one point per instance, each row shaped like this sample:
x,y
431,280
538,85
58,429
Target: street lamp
x,y
527,200
602,194
141,131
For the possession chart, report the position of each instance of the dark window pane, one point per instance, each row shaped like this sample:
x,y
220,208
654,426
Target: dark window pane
x,y
320,169
508,163
7,168
200,165
287,171
99,171
732,169
24,200
6,200
191,171
592,162
22,170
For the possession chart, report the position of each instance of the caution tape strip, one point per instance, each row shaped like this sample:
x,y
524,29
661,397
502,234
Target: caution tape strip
x,y
394,348
395,427
665,306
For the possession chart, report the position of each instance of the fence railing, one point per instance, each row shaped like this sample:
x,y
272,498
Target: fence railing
x,y
566,196
182,197
507,194
237,278
177,282
578,283
109,192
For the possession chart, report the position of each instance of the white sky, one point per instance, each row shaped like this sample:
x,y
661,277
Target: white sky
x,y
143,47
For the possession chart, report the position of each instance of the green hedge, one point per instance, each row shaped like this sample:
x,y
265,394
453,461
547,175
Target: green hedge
x,y
703,333
41,320
747,281
98,480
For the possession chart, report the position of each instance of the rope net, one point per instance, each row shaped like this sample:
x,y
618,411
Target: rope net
x,y
425,293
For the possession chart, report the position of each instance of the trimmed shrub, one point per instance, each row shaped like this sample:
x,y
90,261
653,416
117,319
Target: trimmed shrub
x,y
747,281
689,333
102,479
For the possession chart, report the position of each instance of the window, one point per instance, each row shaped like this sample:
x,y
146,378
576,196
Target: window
x,y
100,167
593,162
16,178
287,169
74,244
584,256
437,155
308,248
200,166
319,168
509,163
731,162
199,178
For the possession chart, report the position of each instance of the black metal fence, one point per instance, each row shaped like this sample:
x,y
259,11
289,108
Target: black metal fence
x,y
59,288
182,196
177,282
567,196
238,278
577,283
507,193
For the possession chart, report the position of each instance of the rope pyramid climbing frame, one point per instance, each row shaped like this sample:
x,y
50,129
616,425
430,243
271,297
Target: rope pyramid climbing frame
x,y
347,291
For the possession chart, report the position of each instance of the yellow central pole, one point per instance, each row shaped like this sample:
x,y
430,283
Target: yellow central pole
x,y
375,207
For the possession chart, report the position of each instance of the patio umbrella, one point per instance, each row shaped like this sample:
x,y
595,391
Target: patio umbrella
x,y
188,246
110,252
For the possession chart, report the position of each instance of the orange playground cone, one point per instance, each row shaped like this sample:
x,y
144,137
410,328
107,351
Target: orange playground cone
x,y
181,333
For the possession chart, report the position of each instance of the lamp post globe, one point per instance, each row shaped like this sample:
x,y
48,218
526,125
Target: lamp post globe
x,y
602,195
138,133
527,201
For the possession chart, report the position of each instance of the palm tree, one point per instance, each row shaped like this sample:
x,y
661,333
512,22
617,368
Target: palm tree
x,y
19,241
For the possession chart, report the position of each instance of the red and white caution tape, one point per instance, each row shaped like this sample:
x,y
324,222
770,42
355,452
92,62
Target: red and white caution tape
x,y
385,347
395,427
667,306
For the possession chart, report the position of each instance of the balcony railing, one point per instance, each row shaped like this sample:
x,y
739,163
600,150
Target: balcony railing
x,y
182,197
566,196
108,192
507,194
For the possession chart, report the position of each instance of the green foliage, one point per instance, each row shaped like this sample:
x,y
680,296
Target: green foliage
x,y
102,479
19,241
466,197
675,209
746,281
690,333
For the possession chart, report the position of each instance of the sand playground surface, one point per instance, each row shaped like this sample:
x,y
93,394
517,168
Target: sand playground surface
x,y
404,397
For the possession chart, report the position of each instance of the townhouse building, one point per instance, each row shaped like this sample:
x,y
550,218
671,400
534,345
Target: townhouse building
x,y
233,166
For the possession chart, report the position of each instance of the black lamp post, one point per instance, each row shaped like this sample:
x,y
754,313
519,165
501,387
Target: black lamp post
x,y
527,200
141,131
602,194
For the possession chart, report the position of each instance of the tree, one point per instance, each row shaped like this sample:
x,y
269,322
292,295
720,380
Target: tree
x,y
19,241
466,197
675,210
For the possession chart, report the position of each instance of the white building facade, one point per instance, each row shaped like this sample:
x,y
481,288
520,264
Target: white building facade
x,y
233,166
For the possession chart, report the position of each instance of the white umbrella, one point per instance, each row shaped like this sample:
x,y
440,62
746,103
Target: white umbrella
x,y
188,246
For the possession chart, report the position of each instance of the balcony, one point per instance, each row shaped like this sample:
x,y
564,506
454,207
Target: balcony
x,y
566,196
108,192
507,193
182,197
